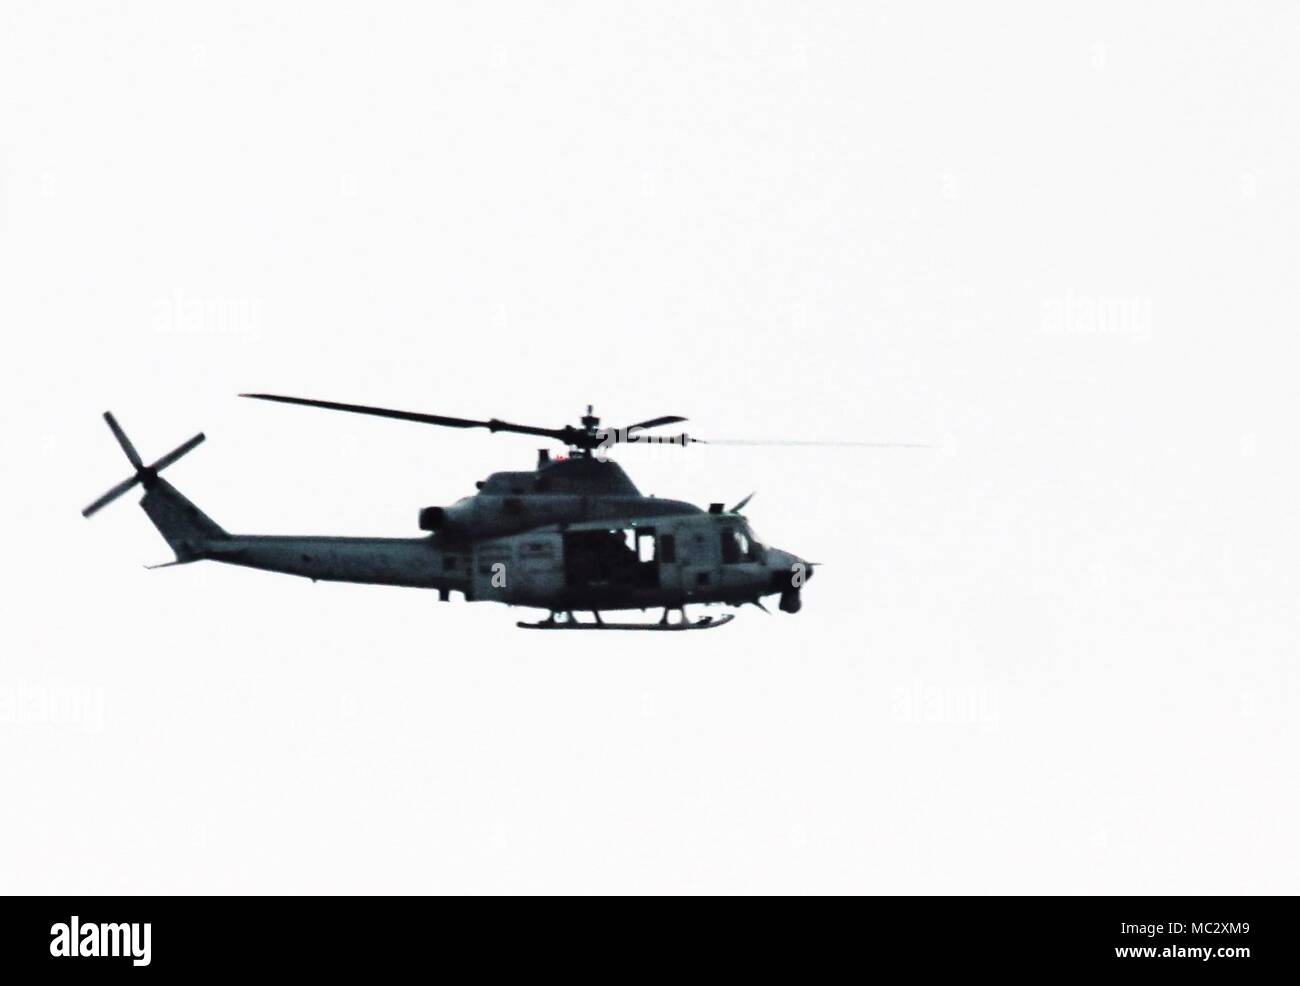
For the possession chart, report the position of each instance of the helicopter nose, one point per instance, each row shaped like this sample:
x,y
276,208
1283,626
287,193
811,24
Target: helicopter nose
x,y
788,571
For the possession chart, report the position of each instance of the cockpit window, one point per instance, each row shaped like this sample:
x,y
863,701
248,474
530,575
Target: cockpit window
x,y
730,546
739,546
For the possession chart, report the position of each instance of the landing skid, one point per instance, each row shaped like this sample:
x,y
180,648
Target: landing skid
x,y
702,623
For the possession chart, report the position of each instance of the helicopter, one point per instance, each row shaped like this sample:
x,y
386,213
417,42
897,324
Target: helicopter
x,y
572,535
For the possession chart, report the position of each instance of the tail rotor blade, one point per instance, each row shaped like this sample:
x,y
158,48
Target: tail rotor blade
x,y
110,496
122,440
177,452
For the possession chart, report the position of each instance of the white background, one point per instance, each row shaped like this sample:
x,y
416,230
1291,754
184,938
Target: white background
x,y
1057,653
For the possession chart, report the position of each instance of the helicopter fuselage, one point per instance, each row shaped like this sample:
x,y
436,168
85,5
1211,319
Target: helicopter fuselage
x,y
636,563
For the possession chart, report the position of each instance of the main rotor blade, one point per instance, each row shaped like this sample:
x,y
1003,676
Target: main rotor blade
x,y
667,419
745,441
122,440
428,419
110,496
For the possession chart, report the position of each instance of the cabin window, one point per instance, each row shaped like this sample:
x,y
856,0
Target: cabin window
x,y
623,558
667,549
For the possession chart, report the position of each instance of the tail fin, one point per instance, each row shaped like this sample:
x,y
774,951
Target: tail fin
x,y
187,528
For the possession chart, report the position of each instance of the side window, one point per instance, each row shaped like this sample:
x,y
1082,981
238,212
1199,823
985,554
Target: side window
x,y
730,547
667,548
645,546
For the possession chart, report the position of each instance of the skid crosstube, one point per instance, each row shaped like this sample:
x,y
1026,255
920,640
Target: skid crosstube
x,y
703,623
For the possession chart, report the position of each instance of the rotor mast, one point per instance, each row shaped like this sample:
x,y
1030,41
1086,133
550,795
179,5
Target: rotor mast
x,y
590,433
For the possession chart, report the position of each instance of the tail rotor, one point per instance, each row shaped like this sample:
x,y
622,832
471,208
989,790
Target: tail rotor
x,y
144,475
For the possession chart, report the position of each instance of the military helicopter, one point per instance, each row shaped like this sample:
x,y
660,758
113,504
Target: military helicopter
x,y
572,535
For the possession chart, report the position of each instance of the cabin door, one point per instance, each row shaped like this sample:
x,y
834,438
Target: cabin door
x,y
670,573
697,568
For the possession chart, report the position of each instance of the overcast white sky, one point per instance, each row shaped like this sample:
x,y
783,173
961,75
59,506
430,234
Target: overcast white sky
x,y
1056,654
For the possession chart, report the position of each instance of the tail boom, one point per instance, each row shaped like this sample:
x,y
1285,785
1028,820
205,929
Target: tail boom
x,y
193,535
414,562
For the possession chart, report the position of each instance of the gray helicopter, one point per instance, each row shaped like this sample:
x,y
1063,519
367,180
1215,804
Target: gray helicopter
x,y
572,535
